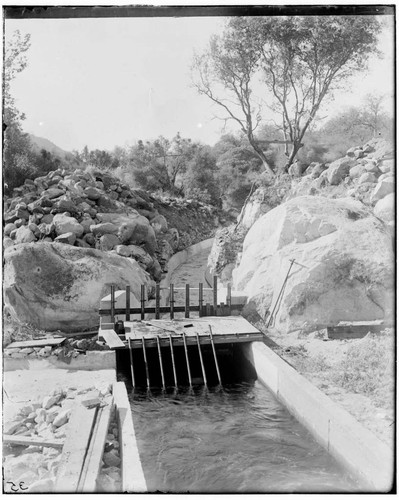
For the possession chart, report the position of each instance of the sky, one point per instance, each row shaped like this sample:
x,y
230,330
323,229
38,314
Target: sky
x,y
111,81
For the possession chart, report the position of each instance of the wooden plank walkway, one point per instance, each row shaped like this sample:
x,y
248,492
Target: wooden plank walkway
x,y
111,338
227,329
92,465
80,428
32,441
36,343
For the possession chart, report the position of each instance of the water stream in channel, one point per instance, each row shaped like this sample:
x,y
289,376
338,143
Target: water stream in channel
x,y
235,439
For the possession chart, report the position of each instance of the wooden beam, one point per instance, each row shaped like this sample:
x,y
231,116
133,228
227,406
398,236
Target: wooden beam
x,y
92,465
36,343
32,441
80,428
111,338
354,331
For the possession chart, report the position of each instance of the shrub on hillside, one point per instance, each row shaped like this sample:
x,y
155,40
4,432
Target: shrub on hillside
x,y
368,367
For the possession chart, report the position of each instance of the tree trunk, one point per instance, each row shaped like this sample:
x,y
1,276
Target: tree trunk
x,y
259,151
297,146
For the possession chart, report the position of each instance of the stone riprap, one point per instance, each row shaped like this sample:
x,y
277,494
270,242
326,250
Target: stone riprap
x,y
99,211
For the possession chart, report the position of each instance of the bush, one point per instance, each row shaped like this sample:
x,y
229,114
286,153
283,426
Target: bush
x,y
368,367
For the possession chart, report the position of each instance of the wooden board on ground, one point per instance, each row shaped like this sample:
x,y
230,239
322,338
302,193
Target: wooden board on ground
x,y
36,343
32,441
80,428
111,338
354,330
92,465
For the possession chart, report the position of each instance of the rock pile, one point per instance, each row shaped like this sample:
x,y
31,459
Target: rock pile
x,y
36,467
366,174
98,211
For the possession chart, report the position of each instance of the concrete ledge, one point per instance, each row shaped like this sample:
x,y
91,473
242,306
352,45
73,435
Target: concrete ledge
x,y
92,360
354,446
133,480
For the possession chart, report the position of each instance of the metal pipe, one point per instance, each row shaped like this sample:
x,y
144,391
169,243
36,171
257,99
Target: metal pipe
x,y
142,301
215,294
171,301
160,362
200,298
214,355
187,304
131,363
127,303
112,303
201,360
146,363
173,359
157,300
187,360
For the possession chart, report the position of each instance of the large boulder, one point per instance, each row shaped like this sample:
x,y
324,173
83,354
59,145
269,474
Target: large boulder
x,y
384,187
59,287
339,169
348,257
138,232
66,224
385,209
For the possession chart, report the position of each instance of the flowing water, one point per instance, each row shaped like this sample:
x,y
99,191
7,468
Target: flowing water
x,y
238,438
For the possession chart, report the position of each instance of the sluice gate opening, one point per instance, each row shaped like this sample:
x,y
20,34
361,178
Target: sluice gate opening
x,y
182,350
233,366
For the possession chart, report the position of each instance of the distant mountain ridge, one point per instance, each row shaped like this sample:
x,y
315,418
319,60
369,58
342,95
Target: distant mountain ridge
x,y
40,143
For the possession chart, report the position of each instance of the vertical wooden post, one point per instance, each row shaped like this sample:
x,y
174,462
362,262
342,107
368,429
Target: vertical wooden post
x,y
142,301
157,300
215,294
127,313
208,309
112,303
172,301
200,297
187,305
228,298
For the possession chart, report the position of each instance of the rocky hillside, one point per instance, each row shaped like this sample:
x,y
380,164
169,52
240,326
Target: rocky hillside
x,y
337,220
68,235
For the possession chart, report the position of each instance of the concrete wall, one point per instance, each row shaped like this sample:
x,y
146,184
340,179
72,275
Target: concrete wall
x,y
354,446
92,360
181,257
133,480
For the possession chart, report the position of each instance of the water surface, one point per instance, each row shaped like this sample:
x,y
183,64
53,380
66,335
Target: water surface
x,y
239,439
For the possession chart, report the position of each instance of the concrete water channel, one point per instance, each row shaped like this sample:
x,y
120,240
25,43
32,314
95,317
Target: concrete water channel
x,y
232,438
